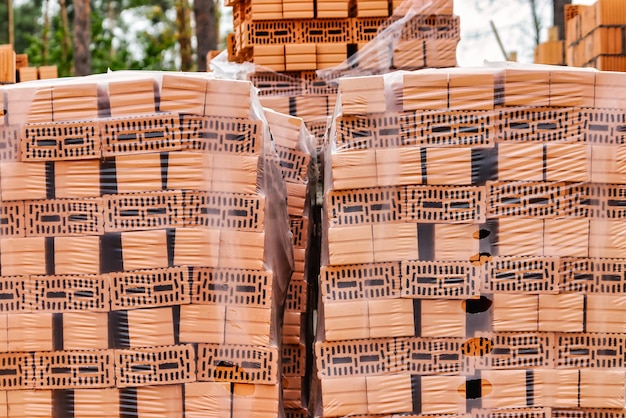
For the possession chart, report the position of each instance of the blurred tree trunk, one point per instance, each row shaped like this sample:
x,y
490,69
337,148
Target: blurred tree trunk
x,y
82,37
559,16
11,23
207,29
536,21
66,42
45,38
184,34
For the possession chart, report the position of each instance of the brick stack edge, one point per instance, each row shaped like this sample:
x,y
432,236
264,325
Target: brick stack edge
x,y
296,151
144,249
473,246
288,41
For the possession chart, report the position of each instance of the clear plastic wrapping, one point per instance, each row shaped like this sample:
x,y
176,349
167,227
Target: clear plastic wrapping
x,y
145,250
295,59
296,150
473,252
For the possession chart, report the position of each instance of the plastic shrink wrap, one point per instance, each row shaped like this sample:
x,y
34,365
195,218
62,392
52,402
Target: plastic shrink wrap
x,y
473,245
298,162
145,250
293,51
297,158
279,49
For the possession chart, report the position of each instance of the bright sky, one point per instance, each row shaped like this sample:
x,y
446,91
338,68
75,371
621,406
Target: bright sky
x,y
513,20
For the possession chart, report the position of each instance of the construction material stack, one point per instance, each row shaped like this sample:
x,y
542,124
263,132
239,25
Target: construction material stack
x,y
473,248
551,52
288,41
594,35
27,73
296,150
14,68
7,64
144,249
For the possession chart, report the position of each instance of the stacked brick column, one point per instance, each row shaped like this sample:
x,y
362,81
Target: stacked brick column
x,y
142,273
473,245
295,147
7,64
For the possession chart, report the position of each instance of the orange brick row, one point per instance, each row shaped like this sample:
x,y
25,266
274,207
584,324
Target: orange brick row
x,y
85,122
196,399
137,289
137,367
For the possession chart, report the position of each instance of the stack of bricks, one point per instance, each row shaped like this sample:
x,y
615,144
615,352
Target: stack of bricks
x,y
551,52
144,248
474,245
594,35
301,94
7,64
295,147
289,41
14,68
27,73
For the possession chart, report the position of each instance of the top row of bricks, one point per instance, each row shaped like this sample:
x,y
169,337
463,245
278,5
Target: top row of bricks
x,y
89,99
483,89
321,9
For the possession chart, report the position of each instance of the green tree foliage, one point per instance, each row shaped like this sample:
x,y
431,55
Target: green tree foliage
x,y
157,45
35,49
125,34
117,46
28,22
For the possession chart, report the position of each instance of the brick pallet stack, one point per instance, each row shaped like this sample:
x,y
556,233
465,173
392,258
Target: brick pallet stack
x,y
474,245
594,35
144,250
290,40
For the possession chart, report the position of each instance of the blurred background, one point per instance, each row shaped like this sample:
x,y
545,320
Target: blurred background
x,y
177,34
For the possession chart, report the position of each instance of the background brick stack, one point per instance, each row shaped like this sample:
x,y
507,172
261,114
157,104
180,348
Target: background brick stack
x,y
295,147
551,52
14,68
474,253
594,35
7,64
142,273
289,41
